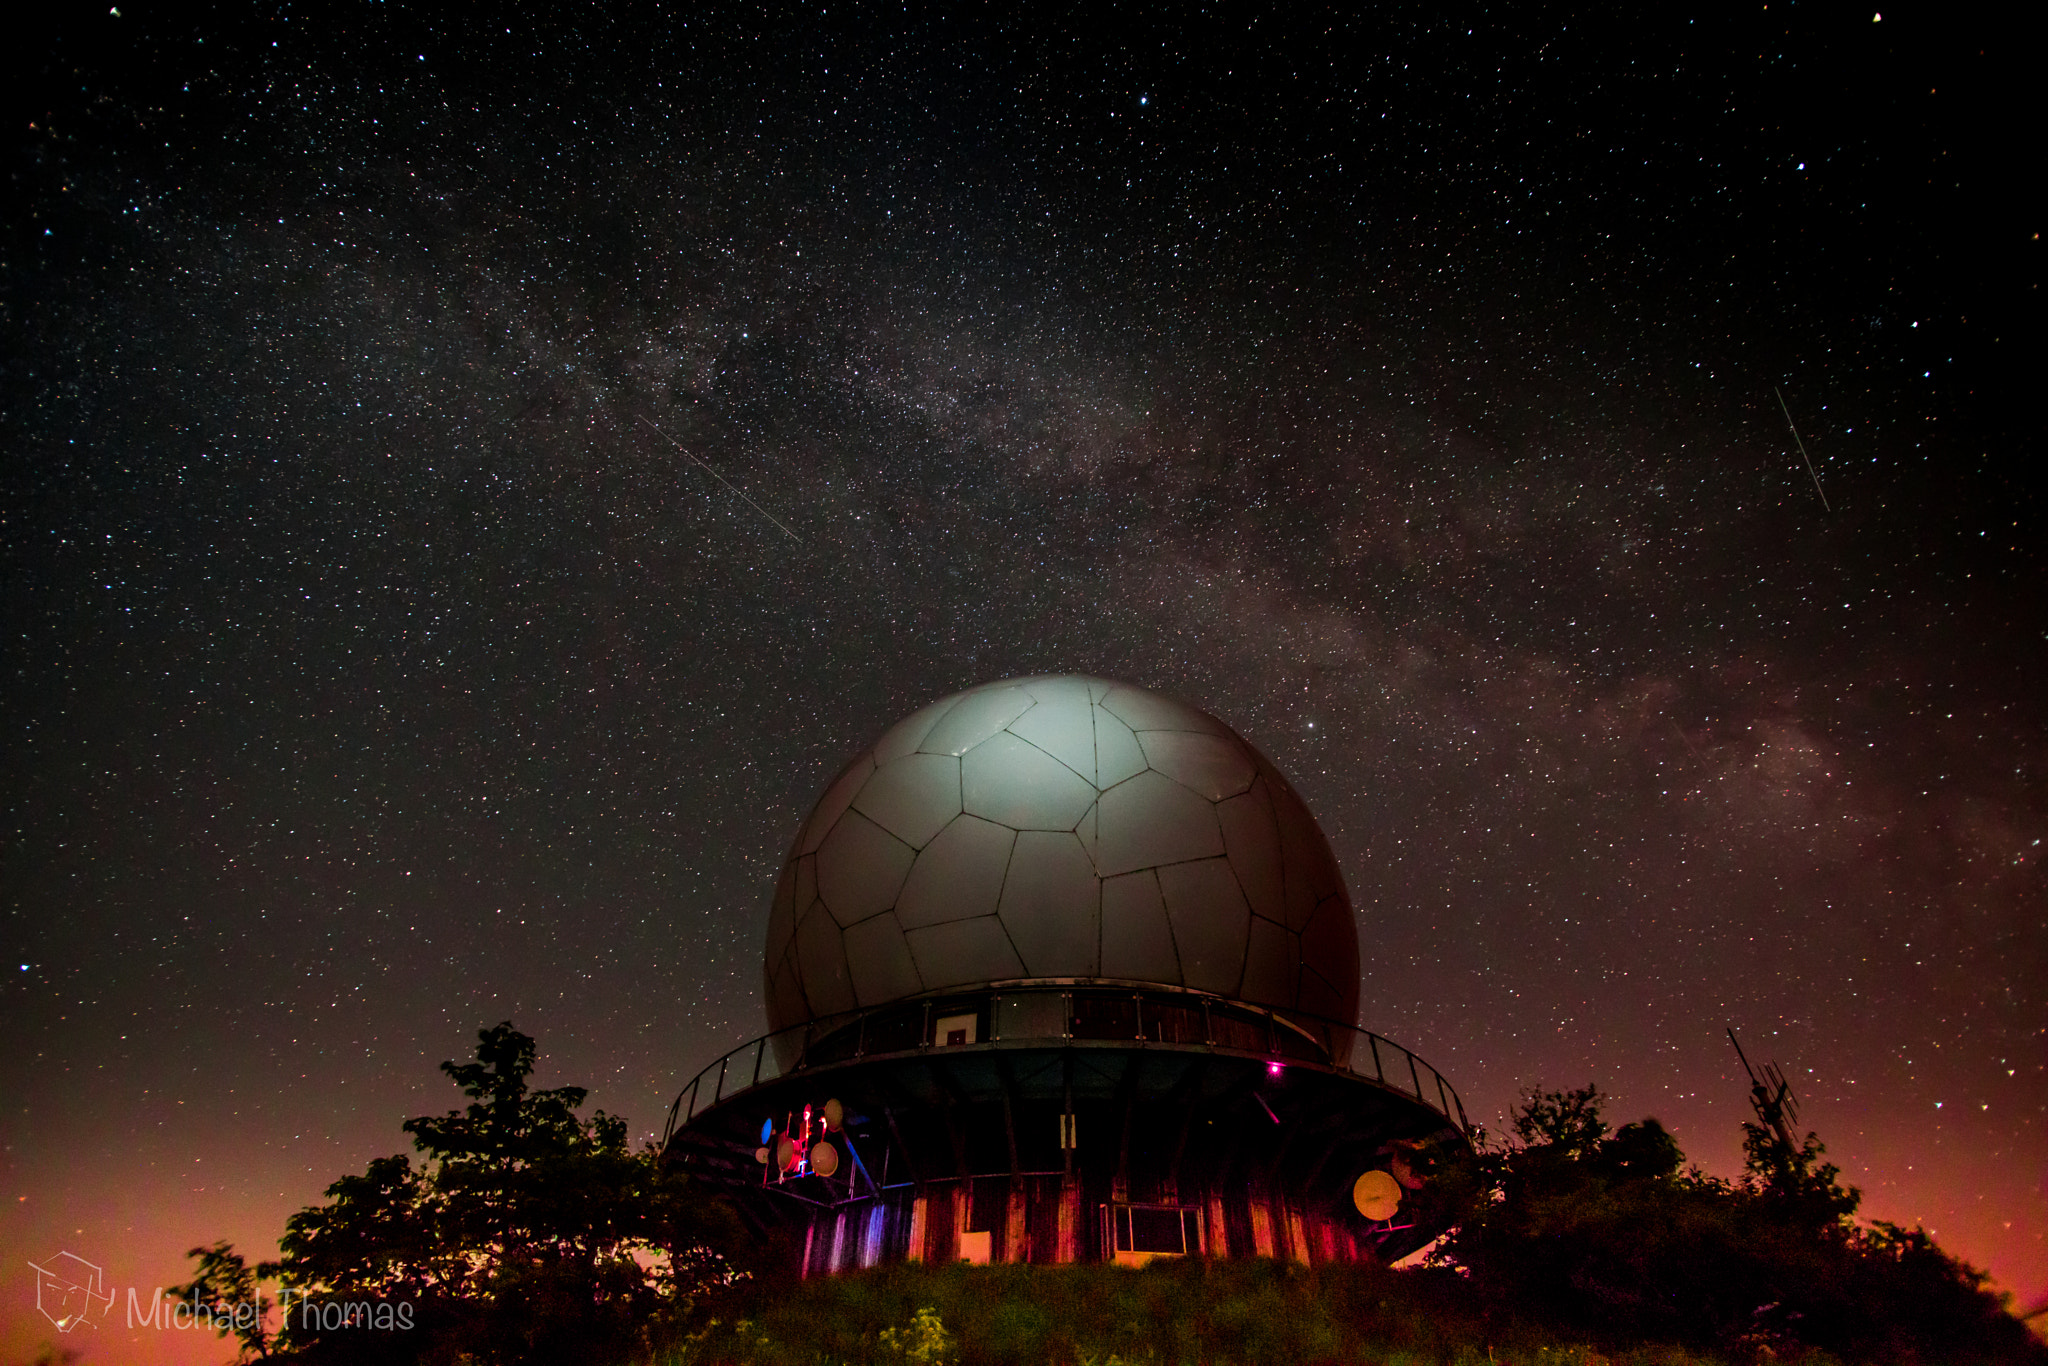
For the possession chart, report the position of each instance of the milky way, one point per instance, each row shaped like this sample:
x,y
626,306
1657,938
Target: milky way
x,y
471,480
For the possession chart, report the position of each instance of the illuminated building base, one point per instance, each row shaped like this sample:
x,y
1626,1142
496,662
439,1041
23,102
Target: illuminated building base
x,y
1074,1122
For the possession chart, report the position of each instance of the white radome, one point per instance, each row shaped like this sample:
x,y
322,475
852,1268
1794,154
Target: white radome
x,y
1060,827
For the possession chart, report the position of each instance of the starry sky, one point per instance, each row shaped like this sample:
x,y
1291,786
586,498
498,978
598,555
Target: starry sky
x,y
471,474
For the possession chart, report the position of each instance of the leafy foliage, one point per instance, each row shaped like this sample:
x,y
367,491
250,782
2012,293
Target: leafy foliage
x,y
226,1292
1610,1233
526,1234
924,1340
1261,1313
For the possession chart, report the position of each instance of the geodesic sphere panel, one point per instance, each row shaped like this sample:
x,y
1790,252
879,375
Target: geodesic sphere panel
x,y
1060,826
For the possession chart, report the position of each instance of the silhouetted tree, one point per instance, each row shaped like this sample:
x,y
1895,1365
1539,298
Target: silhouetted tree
x,y
1796,1186
226,1292
1565,1124
526,1234
1611,1234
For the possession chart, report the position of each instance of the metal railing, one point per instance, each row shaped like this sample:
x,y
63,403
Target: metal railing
x,y
1026,1016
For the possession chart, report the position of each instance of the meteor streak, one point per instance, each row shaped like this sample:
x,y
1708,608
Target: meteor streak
x,y
1795,436
723,480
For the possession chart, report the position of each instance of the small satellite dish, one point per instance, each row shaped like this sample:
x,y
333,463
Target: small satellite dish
x,y
761,1156
835,1115
767,1131
1404,1173
785,1152
1377,1195
824,1158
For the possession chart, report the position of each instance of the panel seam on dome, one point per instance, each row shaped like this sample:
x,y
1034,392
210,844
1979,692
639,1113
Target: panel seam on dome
x,y
1244,956
1166,914
1151,767
1003,883
1003,925
1183,862
1094,749
1040,748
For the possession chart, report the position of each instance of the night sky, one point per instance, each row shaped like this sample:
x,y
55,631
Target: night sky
x,y
389,650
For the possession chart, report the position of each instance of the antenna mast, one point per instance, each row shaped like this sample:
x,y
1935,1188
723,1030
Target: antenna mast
x,y
1770,1095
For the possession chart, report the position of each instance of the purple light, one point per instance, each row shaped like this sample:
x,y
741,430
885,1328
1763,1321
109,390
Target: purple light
x,y
1272,1069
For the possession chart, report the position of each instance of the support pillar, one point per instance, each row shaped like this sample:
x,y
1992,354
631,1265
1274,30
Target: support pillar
x,y
1016,1228
915,1252
1262,1224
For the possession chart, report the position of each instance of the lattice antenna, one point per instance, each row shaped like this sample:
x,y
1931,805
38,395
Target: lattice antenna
x,y
1770,1095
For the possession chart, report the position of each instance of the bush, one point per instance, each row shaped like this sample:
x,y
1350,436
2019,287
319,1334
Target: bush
x,y
1217,1313
1606,1236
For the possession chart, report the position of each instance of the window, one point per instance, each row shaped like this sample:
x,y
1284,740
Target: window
x,y
1036,1015
1138,1233
949,1030
1104,1016
1170,1022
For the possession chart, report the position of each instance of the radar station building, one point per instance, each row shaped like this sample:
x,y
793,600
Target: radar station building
x,y
1061,969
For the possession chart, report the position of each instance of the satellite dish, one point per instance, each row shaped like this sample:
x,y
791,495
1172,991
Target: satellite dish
x,y
824,1158
1377,1195
1404,1173
761,1156
835,1115
785,1152
767,1131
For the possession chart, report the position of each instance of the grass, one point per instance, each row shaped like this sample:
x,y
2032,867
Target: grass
x,y
1191,1313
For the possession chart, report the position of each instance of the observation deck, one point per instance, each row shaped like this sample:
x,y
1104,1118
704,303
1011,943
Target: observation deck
x,y
1209,1113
